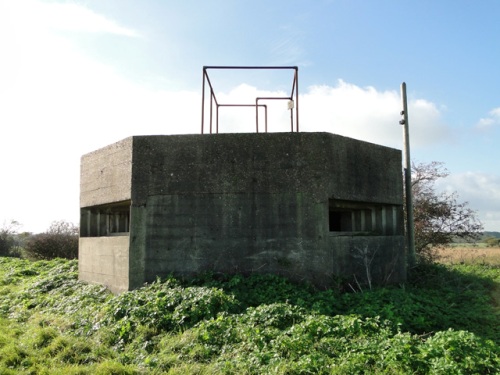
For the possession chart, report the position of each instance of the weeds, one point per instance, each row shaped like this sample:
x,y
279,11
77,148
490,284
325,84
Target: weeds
x,y
441,322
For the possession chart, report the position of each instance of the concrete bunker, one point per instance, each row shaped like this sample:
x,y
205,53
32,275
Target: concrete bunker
x,y
309,206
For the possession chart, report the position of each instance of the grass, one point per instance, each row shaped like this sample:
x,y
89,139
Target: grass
x,y
470,254
475,254
444,321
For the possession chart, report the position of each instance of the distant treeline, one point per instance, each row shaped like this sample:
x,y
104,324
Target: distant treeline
x,y
490,234
484,236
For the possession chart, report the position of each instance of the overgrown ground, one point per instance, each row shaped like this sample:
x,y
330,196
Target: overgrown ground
x,y
470,253
443,322
474,254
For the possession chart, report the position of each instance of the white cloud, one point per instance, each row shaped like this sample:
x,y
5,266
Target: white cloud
x,y
57,104
32,14
488,122
345,109
370,115
481,190
243,119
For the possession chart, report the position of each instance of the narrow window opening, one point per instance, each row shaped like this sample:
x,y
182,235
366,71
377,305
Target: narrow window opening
x,y
347,218
105,220
334,221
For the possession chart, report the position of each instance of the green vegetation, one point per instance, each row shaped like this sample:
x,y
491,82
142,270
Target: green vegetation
x,y
440,218
443,322
487,234
9,241
492,241
59,241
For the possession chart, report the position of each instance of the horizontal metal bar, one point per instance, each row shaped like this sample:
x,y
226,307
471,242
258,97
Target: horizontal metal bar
x,y
250,67
213,98
241,105
274,98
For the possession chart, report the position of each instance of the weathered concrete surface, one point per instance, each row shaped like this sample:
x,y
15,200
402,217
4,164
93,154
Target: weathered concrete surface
x,y
312,163
250,203
281,233
106,174
384,253
105,260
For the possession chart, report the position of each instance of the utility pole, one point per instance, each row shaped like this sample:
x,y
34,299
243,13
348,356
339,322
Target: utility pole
x,y
410,231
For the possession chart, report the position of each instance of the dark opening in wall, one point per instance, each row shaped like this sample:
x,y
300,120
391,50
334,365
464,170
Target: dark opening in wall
x,y
340,221
347,218
106,220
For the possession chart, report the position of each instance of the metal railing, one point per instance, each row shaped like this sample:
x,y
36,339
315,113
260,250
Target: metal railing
x,y
293,99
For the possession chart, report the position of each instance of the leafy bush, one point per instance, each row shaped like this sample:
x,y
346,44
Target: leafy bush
x,y
60,241
8,242
492,241
163,306
257,289
441,323
348,344
439,218
459,352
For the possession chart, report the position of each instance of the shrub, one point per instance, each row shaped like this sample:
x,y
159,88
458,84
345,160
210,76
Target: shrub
x,y
50,323
4,247
439,218
492,242
163,307
60,241
8,235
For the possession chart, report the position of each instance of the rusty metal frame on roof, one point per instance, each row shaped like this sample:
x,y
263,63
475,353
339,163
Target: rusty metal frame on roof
x,y
293,99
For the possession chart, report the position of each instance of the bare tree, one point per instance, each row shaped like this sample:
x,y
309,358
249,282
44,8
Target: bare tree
x,y
439,217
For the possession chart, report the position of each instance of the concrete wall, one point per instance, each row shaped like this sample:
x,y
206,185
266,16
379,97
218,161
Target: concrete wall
x,y
250,203
316,163
105,178
106,174
281,233
105,260
385,254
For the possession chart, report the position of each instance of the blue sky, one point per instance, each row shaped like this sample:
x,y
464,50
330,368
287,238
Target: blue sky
x,y
78,75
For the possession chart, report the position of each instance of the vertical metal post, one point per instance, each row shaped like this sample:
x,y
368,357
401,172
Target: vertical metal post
x,y
265,113
410,232
203,100
211,108
256,115
297,98
217,119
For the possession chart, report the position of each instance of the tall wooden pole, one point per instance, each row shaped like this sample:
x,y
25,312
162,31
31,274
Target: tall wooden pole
x,y
410,231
